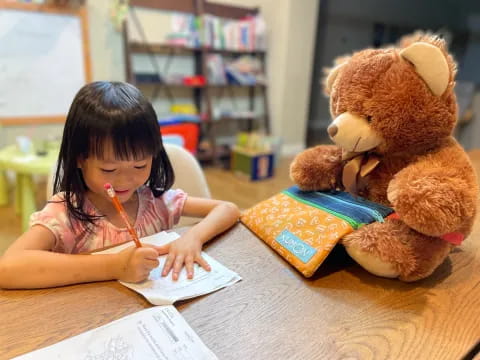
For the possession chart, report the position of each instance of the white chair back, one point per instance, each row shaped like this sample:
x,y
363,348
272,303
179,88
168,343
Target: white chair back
x,y
189,176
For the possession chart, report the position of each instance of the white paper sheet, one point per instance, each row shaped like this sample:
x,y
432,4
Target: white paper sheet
x,y
163,290
158,333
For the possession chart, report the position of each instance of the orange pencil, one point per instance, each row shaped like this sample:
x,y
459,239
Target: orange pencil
x,y
122,212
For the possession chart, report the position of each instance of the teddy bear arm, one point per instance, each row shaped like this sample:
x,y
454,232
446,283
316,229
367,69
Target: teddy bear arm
x,y
318,168
432,201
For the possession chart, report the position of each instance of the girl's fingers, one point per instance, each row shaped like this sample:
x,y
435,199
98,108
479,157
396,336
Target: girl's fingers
x,y
177,266
152,264
141,276
189,266
147,252
203,263
145,276
161,250
168,264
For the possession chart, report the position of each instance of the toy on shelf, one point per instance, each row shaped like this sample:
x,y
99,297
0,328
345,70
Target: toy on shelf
x,y
253,156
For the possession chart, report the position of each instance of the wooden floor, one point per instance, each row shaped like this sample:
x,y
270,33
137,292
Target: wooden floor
x,y
224,185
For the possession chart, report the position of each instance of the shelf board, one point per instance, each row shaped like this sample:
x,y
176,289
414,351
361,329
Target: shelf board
x,y
207,156
136,47
170,85
236,118
235,52
235,85
173,85
188,6
160,48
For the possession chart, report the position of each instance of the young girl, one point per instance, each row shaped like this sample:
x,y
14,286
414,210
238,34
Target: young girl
x,y
111,136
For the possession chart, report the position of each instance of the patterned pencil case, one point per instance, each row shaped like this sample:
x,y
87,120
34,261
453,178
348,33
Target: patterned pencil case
x,y
303,227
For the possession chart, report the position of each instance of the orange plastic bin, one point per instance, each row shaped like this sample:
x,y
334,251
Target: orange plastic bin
x,y
188,130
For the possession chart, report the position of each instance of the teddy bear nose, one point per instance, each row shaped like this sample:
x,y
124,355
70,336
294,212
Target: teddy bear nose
x,y
332,130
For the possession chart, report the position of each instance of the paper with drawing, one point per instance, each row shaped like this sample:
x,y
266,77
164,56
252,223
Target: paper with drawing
x,y
164,291
156,333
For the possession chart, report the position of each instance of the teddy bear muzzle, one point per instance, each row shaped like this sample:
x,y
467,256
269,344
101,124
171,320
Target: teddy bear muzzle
x,y
353,133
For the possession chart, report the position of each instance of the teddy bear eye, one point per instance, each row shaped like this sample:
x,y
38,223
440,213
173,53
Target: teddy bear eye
x,y
369,119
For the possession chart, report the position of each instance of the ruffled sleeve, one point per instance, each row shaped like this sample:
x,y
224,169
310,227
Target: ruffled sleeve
x,y
54,217
174,201
170,206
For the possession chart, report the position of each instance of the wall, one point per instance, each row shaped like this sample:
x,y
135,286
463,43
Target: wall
x,y
298,73
106,46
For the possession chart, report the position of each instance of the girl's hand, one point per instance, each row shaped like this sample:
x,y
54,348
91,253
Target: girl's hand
x,y
135,264
183,251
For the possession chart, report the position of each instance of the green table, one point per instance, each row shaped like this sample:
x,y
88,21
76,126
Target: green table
x,y
25,166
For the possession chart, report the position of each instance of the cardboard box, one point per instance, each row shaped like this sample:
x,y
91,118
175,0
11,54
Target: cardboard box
x,y
254,166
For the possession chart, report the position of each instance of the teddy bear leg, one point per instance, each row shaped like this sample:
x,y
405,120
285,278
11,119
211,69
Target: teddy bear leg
x,y
392,249
372,263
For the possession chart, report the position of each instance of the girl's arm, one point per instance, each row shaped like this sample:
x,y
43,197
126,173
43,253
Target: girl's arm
x,y
29,263
218,217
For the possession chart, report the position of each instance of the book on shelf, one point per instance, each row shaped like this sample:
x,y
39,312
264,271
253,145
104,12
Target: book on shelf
x,y
209,31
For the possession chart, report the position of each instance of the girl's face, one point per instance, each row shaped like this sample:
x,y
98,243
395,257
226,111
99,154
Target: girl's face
x,y
126,176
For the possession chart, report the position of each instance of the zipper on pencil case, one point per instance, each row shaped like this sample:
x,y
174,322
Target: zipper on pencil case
x,y
374,213
353,223
382,209
356,209
361,214
331,206
358,214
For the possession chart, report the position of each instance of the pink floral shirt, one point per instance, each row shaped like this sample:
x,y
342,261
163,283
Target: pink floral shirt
x,y
154,215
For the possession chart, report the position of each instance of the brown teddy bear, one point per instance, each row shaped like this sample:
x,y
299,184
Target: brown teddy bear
x,y
394,111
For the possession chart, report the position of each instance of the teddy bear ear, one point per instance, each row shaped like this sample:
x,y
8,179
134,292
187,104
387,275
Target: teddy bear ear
x,y
330,78
430,64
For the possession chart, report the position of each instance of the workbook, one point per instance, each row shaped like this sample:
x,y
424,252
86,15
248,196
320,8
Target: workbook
x,y
156,333
160,290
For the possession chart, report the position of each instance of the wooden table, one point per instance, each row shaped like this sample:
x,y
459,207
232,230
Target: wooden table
x,y
274,313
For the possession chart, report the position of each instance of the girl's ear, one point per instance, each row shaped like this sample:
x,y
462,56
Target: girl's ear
x,y
80,163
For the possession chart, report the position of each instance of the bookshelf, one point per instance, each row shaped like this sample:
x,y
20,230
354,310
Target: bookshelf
x,y
202,95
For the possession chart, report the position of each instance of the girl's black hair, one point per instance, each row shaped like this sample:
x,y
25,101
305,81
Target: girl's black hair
x,y
109,111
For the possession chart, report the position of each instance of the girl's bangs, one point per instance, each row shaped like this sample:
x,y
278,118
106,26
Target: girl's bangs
x,y
134,139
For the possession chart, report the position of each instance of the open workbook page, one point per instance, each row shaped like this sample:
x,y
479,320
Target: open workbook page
x,y
161,290
158,333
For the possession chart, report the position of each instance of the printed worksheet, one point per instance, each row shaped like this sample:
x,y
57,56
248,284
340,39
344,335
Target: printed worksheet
x,y
163,290
158,333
